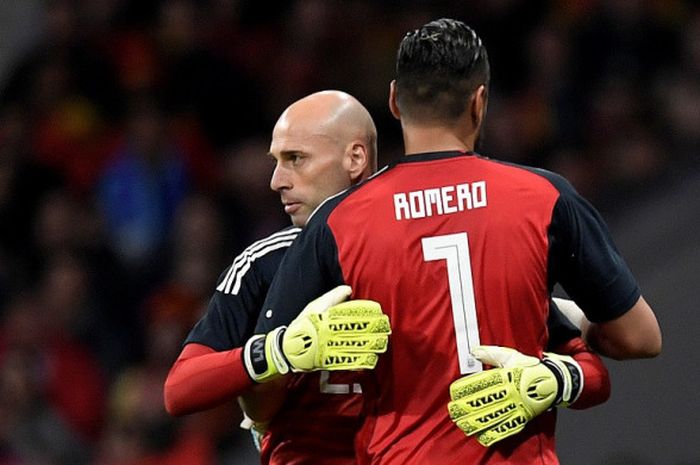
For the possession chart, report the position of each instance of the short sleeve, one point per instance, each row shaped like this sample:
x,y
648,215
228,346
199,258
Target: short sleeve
x,y
585,261
233,310
309,269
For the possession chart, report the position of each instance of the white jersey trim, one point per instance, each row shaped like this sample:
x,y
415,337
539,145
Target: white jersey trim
x,y
231,283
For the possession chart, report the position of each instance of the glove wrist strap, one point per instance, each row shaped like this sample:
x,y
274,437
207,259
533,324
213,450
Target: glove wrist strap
x,y
263,357
569,378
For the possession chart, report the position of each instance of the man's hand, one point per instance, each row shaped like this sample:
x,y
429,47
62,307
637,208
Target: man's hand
x,y
497,403
257,430
329,334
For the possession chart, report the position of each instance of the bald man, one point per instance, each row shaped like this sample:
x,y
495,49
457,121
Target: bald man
x,y
322,144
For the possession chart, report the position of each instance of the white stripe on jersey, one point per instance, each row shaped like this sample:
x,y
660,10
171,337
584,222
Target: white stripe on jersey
x,y
231,283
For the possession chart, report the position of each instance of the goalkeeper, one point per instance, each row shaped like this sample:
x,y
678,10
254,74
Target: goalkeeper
x,y
335,146
210,369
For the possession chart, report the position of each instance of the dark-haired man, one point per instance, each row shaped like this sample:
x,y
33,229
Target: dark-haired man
x,y
461,251
321,144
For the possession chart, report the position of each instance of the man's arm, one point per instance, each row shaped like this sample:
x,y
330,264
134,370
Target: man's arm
x,y
565,338
329,334
634,334
210,369
202,378
590,268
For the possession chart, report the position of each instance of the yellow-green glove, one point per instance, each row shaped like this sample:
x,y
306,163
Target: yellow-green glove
x,y
329,334
497,403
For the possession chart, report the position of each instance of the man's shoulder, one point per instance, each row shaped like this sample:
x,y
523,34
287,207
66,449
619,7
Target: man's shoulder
x,y
559,182
262,256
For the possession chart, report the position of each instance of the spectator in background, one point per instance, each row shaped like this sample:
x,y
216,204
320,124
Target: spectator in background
x,y
75,380
251,208
677,92
67,233
66,86
196,243
50,389
142,188
139,431
19,199
198,80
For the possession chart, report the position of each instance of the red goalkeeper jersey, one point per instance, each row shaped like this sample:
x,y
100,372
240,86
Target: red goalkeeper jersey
x,y
460,250
318,421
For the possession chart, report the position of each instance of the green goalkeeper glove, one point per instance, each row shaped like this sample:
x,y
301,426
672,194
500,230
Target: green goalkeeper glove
x,y
329,334
497,403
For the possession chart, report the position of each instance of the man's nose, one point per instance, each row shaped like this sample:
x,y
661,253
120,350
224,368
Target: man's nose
x,y
280,179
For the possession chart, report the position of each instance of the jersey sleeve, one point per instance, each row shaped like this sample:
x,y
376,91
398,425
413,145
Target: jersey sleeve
x,y
229,318
309,269
233,310
585,261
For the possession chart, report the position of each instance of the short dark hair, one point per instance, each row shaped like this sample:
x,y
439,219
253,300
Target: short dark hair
x,y
437,67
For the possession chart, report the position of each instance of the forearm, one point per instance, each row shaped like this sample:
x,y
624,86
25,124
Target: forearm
x,y
202,378
635,334
596,384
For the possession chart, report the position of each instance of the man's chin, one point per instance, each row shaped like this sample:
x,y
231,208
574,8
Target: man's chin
x,y
299,220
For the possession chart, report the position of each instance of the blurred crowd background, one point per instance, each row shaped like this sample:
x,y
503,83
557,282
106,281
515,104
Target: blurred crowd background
x,y
133,168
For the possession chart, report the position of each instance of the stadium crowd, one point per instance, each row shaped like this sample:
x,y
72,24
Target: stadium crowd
x,y
132,171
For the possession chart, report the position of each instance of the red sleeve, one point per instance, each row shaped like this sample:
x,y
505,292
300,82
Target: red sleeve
x,y
202,378
596,385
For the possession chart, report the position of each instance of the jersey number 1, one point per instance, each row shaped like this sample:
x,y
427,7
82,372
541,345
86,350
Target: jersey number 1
x,y
454,249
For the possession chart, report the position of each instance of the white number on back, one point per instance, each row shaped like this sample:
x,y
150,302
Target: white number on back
x,y
333,388
454,249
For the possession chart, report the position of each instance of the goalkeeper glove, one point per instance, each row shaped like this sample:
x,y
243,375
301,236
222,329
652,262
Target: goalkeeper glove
x,y
497,403
329,334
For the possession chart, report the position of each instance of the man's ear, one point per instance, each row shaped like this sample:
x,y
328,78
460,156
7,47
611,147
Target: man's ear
x,y
477,106
356,161
393,105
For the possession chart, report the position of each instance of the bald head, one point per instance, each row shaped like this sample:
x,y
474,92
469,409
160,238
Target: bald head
x,y
322,144
335,115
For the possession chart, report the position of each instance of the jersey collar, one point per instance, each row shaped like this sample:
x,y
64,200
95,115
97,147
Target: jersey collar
x,y
428,156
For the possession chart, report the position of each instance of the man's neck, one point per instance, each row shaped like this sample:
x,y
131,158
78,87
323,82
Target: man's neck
x,y
421,139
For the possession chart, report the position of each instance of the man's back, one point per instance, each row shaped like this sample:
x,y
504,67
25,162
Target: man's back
x,y
464,241
459,251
